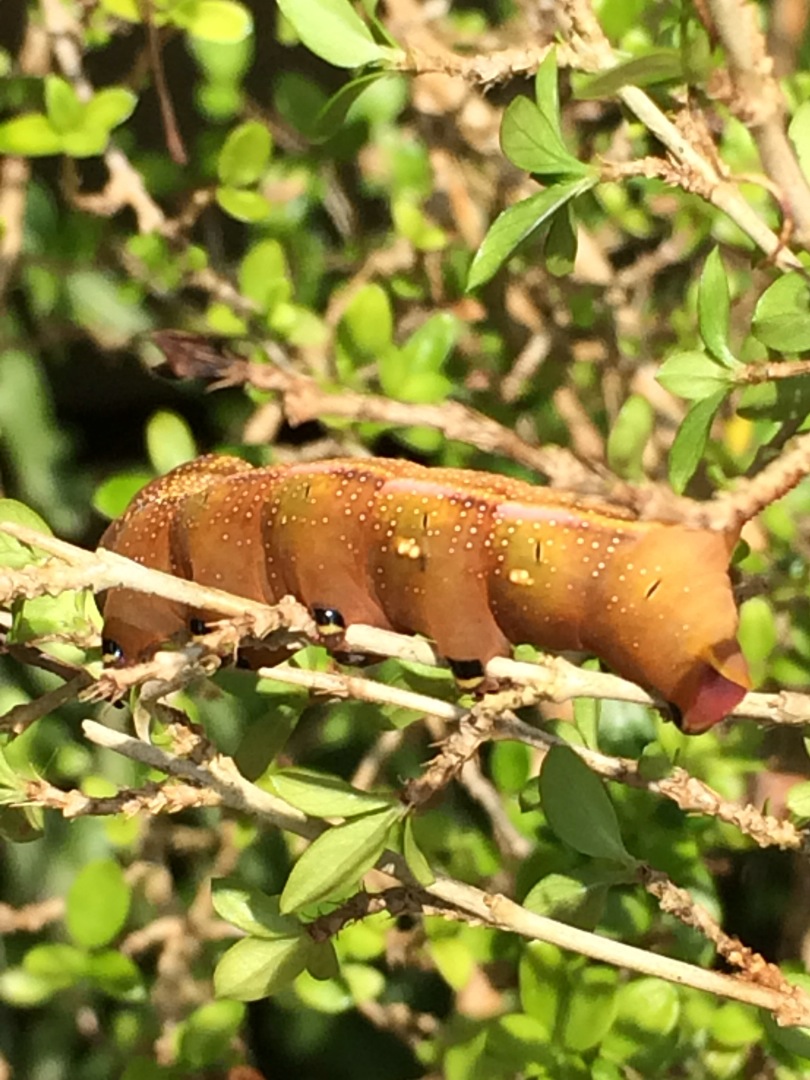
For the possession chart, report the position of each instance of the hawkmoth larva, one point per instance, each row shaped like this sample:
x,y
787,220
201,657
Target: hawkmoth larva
x,y
475,561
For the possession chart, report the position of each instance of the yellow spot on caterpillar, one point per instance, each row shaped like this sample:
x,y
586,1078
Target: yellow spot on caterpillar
x,y
521,577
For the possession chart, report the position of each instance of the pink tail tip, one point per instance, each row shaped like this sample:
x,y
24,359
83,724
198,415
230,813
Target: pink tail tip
x,y
715,697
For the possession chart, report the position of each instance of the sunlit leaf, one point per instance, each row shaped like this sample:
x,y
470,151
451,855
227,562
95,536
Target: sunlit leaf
x,y
577,807
338,858
517,223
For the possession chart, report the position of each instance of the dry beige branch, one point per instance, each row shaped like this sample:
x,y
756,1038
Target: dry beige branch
x,y
153,798
19,717
756,98
31,918
732,509
303,400
678,902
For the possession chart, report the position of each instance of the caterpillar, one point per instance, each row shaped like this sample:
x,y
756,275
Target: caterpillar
x,y
477,562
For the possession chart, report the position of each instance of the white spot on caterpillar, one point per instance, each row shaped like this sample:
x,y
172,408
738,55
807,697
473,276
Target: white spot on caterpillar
x,y
408,547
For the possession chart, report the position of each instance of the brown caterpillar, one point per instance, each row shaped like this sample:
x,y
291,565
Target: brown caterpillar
x,y
475,561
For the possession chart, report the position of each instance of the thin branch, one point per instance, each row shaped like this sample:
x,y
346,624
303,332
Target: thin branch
x,y
303,399
676,901
153,798
31,918
219,774
753,374
19,717
787,1008
730,510
756,98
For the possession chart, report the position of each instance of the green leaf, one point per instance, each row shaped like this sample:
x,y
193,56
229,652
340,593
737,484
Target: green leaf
x,y
577,898
23,990
333,30
13,553
222,21
334,112
243,205
578,808
323,962
116,975
256,968
106,307
57,964
532,142
31,135
109,108
414,857
169,441
112,497
123,9
206,1036
647,1016
86,142
694,376
414,372
515,1039
411,222
799,132
366,328
519,222
691,439
658,65
543,982
322,795
782,315
251,910
428,348
338,858
547,91
713,310
561,243
591,1008
244,155
65,111
629,436
798,801
264,276
97,904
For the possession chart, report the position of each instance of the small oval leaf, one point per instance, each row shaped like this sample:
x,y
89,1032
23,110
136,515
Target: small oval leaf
x,y
256,968
578,808
339,857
